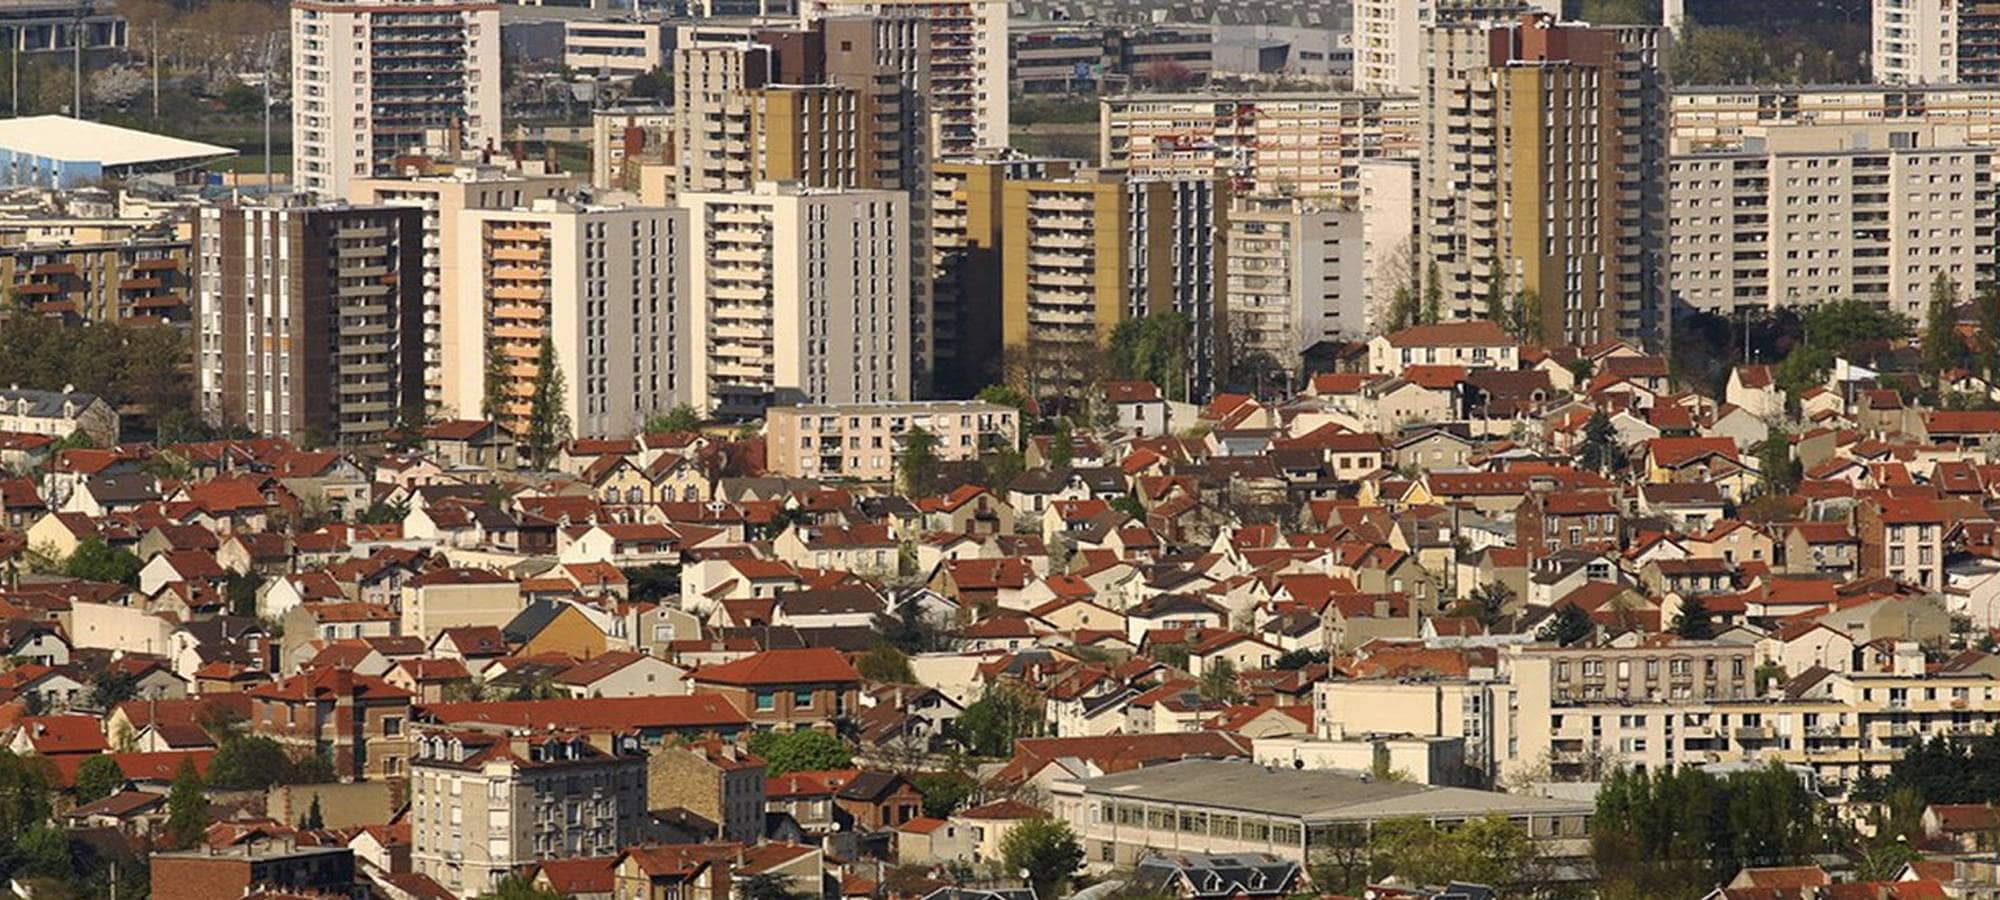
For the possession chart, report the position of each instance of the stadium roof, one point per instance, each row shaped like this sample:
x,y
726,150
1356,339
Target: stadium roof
x,y
61,137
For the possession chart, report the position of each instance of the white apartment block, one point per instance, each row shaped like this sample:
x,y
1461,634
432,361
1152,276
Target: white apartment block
x,y
442,199
1914,41
608,285
1803,215
1388,35
866,441
617,50
370,78
1389,192
1296,276
797,295
1307,145
965,60
484,804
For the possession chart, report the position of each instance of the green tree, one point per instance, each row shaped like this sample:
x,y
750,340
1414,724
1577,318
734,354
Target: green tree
x,y
108,689
1986,356
1694,621
800,751
1047,850
1527,317
1005,395
241,589
1062,446
1943,347
1489,850
653,581
990,725
1569,625
1496,296
1433,295
314,819
493,401
1403,311
187,806
681,418
514,887
43,852
548,410
1600,452
917,470
97,779
1154,348
944,792
883,662
1292,660
1218,681
248,763
380,513
1486,603
1003,465
1678,832
95,560
765,886
1778,470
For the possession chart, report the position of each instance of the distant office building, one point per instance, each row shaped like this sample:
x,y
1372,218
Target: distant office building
x,y
442,198
615,50
1389,35
53,26
1056,58
370,77
1567,206
966,239
309,320
1287,144
797,295
604,286
1803,215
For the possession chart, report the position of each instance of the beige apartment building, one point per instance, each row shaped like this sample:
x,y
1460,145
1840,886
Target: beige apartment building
x,y
965,247
1474,708
623,139
369,78
1718,117
797,295
309,320
953,53
442,198
484,803
1388,35
97,270
865,441
1805,214
1285,145
605,286
1546,158
1088,252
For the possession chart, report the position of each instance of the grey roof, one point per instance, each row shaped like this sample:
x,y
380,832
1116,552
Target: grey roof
x,y
1312,795
1217,874
531,620
47,404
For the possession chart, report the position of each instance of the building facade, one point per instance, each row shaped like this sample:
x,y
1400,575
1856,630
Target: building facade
x,y
963,61
370,78
483,804
442,198
1304,145
603,287
309,320
865,442
1808,214
797,295
1545,164
1388,35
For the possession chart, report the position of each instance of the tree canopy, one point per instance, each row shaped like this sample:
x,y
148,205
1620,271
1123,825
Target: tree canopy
x,y
1154,348
1679,833
1047,850
805,750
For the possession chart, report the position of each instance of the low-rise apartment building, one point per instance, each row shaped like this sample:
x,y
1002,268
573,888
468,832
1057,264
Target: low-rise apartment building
x,y
866,441
483,803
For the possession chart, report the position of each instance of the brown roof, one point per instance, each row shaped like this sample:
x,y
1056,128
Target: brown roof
x,y
813,665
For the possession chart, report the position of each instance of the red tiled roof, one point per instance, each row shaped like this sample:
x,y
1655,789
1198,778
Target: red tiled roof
x,y
812,665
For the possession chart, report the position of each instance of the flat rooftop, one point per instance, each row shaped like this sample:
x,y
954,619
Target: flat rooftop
x,y
1312,795
61,137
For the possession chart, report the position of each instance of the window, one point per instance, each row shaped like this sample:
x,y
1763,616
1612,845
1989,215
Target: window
x,y
766,701
802,699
